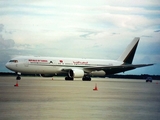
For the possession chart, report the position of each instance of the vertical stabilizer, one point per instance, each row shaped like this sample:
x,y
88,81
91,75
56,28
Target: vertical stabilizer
x,y
128,54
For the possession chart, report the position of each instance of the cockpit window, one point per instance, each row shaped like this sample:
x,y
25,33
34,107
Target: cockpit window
x,y
15,61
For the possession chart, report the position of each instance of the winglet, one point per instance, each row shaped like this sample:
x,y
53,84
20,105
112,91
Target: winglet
x,y
128,54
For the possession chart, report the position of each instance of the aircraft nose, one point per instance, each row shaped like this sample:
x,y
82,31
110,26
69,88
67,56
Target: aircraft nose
x,y
7,65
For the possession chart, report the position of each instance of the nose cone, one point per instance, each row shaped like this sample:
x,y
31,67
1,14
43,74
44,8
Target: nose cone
x,y
8,65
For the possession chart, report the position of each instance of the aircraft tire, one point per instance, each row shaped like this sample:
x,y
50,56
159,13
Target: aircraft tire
x,y
86,78
148,80
68,78
18,77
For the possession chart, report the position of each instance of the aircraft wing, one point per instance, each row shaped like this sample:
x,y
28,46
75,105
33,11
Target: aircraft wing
x,y
115,69
110,69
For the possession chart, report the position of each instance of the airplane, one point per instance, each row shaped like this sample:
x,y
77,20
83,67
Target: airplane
x,y
75,67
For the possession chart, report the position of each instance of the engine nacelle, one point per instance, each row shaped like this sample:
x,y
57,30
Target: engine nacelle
x,y
98,73
76,73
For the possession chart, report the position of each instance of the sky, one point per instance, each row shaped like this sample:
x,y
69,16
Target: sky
x,y
99,29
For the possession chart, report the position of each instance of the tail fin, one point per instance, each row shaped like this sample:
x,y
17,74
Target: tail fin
x,y
128,54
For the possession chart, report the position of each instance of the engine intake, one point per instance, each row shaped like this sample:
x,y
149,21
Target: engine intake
x,y
76,73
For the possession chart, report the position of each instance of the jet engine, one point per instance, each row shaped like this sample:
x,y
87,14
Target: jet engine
x,y
76,73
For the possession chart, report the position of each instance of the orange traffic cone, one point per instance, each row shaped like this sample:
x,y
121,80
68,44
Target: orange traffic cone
x,y
95,89
16,85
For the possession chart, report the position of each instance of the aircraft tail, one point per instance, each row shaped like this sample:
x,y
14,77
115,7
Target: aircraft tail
x,y
128,54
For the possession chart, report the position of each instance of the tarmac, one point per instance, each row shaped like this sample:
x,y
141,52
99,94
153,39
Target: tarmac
x,y
38,98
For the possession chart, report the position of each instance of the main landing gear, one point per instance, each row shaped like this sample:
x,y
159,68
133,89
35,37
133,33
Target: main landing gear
x,y
85,78
69,78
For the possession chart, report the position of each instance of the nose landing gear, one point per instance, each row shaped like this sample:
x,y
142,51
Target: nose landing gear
x,y
17,79
18,76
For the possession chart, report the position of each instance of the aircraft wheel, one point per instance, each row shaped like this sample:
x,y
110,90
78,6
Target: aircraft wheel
x,y
18,77
68,78
86,78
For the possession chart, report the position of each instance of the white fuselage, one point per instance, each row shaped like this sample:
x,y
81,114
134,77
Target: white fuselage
x,y
51,65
